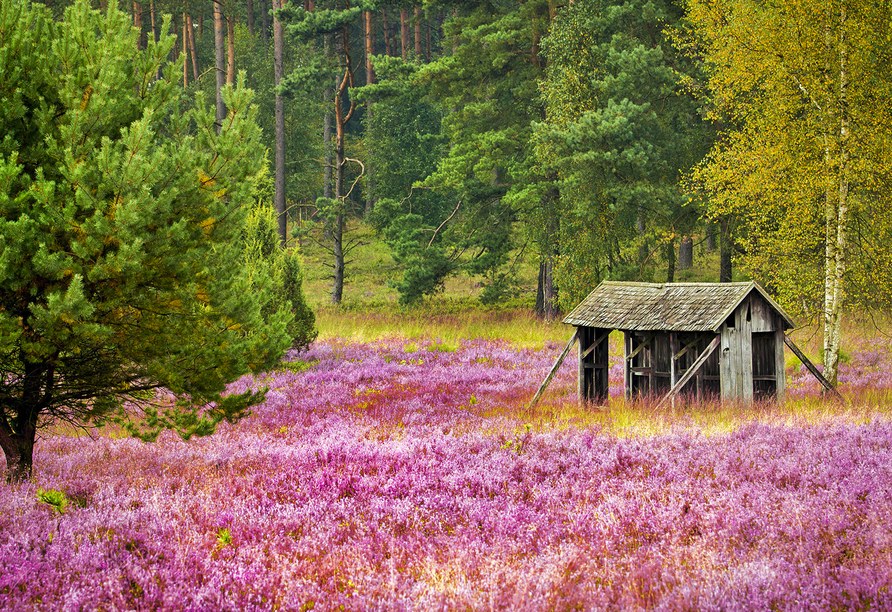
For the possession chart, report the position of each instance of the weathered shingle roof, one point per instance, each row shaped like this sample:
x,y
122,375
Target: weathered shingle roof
x,y
668,306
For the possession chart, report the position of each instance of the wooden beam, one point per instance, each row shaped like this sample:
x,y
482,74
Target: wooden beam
x,y
673,366
594,344
686,348
691,371
641,347
811,367
554,370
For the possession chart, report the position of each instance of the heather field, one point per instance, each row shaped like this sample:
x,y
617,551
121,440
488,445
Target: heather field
x,y
407,474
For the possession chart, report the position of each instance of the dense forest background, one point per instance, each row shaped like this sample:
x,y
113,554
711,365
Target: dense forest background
x,y
596,138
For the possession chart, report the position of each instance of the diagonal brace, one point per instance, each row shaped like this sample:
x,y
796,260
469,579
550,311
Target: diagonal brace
x,y
691,371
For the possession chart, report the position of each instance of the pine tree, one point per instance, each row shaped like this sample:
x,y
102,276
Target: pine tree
x,y
403,143
122,289
488,89
620,131
332,22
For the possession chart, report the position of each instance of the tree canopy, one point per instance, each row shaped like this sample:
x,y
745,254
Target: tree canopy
x,y
620,133
121,202
802,87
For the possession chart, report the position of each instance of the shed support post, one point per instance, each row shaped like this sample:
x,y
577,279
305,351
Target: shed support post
x,y
780,374
584,335
627,365
554,370
673,364
811,367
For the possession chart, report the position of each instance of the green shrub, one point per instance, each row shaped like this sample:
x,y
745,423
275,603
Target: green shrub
x,y
55,499
268,262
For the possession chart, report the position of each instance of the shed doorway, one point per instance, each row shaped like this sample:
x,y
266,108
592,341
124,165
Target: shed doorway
x,y
764,365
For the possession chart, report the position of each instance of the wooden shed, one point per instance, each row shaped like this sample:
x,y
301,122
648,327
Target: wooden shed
x,y
721,340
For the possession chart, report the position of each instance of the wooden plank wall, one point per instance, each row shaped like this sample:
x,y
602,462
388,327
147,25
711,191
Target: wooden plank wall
x,y
764,318
736,359
753,315
780,362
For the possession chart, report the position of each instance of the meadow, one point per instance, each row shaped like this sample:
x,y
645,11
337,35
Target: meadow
x,y
396,465
408,474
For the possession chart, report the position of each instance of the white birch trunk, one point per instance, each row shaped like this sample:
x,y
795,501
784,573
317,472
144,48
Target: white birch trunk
x,y
837,224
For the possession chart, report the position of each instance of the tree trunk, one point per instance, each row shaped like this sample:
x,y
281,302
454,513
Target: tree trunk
x,y
250,13
219,62
725,271
18,448
337,231
388,50
550,296
837,212
710,237
670,262
540,291
337,287
546,292
185,53
230,43
686,253
341,120
369,79
369,48
18,426
152,16
418,52
137,23
279,74
404,33
192,50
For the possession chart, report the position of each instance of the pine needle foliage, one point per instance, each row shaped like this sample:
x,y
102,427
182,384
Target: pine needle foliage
x,y
122,291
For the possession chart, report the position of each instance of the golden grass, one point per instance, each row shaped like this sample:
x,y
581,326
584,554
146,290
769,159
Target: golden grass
x,y
629,419
447,320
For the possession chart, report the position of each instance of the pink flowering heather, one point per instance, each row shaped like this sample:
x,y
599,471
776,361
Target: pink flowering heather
x,y
864,374
389,476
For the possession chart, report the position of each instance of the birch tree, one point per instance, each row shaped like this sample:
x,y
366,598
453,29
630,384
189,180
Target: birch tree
x,y
804,87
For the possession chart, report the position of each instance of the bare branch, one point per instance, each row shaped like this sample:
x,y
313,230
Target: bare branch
x,y
361,174
442,224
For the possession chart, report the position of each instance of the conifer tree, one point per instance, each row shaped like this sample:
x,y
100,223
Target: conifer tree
x,y
620,132
488,88
403,143
122,293
332,21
